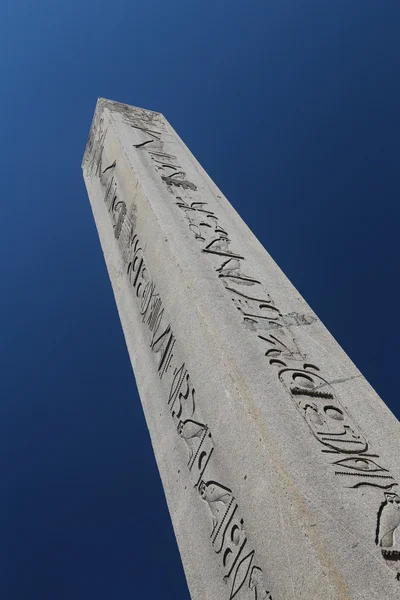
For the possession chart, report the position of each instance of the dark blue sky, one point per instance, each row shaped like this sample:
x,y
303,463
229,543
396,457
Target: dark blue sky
x,y
293,108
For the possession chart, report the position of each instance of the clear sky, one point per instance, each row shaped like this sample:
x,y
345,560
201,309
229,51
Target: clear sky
x,y
293,108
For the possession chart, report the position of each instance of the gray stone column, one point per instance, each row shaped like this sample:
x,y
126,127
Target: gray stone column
x,y
280,463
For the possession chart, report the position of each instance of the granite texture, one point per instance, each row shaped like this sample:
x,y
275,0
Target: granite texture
x,y
280,463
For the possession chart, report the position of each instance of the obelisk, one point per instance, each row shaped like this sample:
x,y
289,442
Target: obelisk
x,y
280,463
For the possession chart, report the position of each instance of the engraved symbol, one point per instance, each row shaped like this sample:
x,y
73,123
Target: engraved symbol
x,y
191,432
283,346
201,222
257,584
366,469
152,137
201,457
132,235
118,216
158,339
333,413
231,269
220,246
312,414
388,524
389,520
112,166
184,183
306,387
229,539
217,497
359,463
241,574
168,169
257,315
181,401
331,425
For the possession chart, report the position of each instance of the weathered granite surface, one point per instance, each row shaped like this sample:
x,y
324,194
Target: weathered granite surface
x,y
280,463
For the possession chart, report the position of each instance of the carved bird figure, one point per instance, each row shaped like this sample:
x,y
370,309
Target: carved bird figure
x,y
389,520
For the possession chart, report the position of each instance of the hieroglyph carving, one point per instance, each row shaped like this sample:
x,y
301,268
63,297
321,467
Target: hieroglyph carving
x,y
228,535
388,531
340,439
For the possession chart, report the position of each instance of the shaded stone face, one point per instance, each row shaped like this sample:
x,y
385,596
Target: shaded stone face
x,y
280,464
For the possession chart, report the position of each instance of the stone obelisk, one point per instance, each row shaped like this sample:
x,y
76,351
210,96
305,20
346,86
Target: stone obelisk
x,y
280,463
